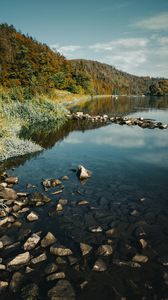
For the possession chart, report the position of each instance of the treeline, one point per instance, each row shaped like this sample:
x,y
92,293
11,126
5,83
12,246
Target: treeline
x,y
106,79
28,67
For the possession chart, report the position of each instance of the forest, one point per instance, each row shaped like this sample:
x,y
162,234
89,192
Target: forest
x,y
28,67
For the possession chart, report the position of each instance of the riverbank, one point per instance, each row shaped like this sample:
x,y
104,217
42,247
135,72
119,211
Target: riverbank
x,y
14,115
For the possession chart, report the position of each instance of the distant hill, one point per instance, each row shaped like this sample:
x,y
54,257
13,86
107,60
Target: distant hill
x,y
108,80
30,67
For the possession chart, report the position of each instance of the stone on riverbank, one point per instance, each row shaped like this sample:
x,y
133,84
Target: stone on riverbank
x,y
8,194
140,258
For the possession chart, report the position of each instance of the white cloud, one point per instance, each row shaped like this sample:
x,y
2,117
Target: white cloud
x,y
158,22
126,43
69,48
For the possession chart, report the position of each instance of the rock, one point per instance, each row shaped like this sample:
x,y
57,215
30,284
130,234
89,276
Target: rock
x,y
60,261
29,270
39,258
83,173
8,194
134,213
96,229
72,260
32,217
20,259
4,221
82,285
85,248
31,242
51,268
60,251
3,285
55,276
39,198
105,250
16,281
11,180
59,207
63,290
55,182
48,240
99,266
82,202
126,263
143,243
63,202
140,258
2,267
65,178
30,292
48,183
3,185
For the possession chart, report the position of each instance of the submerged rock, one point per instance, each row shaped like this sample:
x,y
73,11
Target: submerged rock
x,y
60,250
63,290
99,266
48,240
20,259
55,276
16,281
40,258
85,248
31,242
83,173
8,194
12,180
30,292
3,285
32,217
51,268
140,258
105,250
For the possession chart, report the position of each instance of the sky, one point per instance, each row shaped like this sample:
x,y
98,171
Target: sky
x,y
131,35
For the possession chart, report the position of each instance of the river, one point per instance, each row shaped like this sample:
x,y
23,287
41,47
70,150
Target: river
x,y
127,193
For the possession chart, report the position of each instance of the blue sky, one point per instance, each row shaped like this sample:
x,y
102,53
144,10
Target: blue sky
x,y
128,34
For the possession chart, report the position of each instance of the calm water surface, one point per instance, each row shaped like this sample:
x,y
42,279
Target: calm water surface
x,y
128,164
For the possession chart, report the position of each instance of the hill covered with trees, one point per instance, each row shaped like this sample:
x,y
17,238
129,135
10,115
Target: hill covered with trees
x,y
28,67
107,79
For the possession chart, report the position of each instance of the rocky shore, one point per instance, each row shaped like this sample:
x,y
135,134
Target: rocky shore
x,y
53,247
141,122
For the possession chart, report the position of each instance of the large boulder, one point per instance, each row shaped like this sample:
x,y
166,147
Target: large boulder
x,y
48,240
31,242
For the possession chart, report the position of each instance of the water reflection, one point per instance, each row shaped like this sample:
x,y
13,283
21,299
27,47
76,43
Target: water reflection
x,y
121,106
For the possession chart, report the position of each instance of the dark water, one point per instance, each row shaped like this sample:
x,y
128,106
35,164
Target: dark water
x,y
128,164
